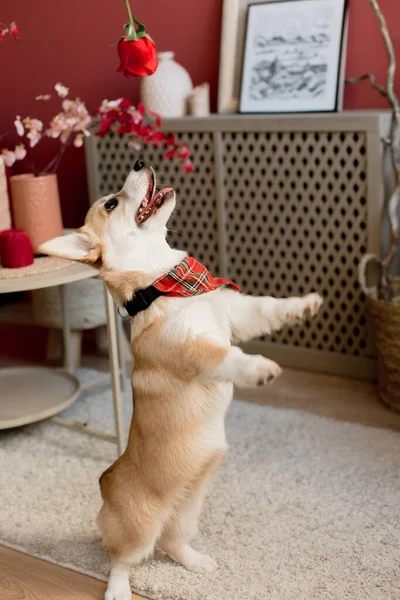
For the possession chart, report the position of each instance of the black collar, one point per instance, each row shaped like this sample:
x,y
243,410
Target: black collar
x,y
140,301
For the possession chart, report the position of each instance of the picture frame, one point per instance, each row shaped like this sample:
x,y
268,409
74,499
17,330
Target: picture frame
x,y
293,59
234,15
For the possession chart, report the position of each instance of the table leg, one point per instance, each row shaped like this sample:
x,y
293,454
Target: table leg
x,y
115,371
68,362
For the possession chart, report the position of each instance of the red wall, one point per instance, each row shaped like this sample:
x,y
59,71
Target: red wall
x,y
70,41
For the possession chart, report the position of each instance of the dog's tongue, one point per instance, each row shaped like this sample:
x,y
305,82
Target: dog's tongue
x,y
145,212
161,194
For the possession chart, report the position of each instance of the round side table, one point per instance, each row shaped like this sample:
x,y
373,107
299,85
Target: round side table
x,y
30,394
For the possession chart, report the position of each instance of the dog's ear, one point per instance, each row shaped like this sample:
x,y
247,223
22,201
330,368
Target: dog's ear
x,y
82,246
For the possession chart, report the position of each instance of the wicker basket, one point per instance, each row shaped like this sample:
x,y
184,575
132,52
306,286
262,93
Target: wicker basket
x,y
387,331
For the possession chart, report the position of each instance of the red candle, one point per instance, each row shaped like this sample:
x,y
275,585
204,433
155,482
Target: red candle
x,y
15,249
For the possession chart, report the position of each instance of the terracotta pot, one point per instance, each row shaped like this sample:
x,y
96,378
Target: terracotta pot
x,y
36,207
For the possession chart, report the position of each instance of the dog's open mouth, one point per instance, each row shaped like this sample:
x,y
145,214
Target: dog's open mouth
x,y
151,202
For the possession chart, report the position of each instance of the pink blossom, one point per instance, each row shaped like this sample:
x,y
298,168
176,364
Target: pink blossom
x,y
43,97
107,105
20,152
64,136
78,141
8,157
19,126
61,90
135,144
14,30
34,127
34,137
33,124
74,118
3,31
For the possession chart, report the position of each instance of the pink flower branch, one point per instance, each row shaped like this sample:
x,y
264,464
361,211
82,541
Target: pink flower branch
x,y
71,125
55,162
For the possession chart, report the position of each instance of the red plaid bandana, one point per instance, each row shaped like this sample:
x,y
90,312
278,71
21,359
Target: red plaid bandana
x,y
190,278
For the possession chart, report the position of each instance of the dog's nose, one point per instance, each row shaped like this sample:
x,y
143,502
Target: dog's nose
x,y
139,165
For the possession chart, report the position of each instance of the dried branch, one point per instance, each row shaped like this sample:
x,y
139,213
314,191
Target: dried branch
x,y
393,212
385,288
53,164
391,58
371,79
394,201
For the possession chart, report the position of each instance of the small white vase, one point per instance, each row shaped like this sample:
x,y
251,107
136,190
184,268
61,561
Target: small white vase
x,y
167,91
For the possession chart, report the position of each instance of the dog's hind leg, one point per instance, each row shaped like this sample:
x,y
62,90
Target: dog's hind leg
x,y
182,525
252,316
118,587
128,543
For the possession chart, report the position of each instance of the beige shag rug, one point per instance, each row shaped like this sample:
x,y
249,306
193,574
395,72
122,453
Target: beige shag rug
x,y
304,507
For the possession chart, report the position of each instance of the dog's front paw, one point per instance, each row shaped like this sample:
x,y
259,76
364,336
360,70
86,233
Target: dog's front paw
x,y
267,370
258,371
300,308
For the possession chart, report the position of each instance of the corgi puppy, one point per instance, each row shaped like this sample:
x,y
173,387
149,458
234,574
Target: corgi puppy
x,y
186,364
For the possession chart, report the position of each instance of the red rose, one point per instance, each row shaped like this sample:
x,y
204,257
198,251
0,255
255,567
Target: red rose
x,y
138,57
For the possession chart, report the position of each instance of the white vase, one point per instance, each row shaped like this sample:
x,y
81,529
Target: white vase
x,y
167,91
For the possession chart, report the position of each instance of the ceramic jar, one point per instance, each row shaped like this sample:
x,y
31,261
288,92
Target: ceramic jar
x,y
167,91
199,101
36,207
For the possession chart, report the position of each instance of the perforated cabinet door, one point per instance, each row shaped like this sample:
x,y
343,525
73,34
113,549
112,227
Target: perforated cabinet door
x,y
297,219
283,205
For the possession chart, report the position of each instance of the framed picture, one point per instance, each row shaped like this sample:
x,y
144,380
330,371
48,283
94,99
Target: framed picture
x,y
294,56
234,15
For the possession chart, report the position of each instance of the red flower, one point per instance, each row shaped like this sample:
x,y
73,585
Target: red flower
x,y
170,153
142,128
14,30
138,57
188,166
105,126
125,103
157,137
170,141
124,128
184,152
157,117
